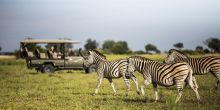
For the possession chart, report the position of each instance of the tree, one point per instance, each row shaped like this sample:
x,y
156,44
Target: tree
x,y
206,51
0,48
139,52
213,44
178,45
151,47
107,45
120,47
199,48
91,44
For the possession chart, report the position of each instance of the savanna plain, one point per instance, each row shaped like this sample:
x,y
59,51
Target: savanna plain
x,y
23,89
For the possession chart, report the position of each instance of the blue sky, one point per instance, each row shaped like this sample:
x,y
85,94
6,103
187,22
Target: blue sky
x,y
139,22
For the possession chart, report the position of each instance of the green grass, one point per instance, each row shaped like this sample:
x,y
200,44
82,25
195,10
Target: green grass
x,y
23,89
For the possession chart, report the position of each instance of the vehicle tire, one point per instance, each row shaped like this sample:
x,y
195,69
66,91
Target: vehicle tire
x,y
91,69
48,69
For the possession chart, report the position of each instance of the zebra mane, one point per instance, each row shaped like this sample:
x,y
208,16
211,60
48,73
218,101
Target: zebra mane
x,y
173,50
97,52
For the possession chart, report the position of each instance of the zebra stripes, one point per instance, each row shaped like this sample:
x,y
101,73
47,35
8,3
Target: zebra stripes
x,y
163,74
199,66
109,70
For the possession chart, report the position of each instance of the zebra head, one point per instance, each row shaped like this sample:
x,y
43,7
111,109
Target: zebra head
x,y
93,57
130,66
174,56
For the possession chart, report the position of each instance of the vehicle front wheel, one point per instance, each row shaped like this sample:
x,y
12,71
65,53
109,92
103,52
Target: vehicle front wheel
x,y
48,69
90,69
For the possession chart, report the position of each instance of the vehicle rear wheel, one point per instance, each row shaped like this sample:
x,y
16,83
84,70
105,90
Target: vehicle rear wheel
x,y
90,69
48,69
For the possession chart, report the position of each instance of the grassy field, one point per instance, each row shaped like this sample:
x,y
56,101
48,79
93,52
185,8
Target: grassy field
x,y
23,89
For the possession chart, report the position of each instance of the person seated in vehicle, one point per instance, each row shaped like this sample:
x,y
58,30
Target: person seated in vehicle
x,y
71,52
52,54
23,53
37,53
26,53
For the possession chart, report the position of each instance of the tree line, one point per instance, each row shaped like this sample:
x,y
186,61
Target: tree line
x,y
121,47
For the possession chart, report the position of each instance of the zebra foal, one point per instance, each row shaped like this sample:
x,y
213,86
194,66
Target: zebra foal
x,y
162,74
199,66
109,70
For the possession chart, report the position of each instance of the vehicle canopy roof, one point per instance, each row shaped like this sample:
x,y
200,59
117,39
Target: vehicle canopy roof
x,y
46,41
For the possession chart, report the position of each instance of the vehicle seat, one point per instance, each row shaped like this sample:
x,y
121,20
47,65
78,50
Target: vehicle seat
x,y
52,55
28,53
43,55
55,55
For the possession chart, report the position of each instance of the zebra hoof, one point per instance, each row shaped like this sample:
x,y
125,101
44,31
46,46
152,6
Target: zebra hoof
x,y
138,92
114,94
155,101
200,101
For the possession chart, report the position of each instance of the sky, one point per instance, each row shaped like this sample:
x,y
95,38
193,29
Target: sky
x,y
139,22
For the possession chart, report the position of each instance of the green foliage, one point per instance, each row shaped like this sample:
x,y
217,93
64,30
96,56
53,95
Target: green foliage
x,y
151,47
199,48
107,46
213,44
192,52
139,52
0,48
178,45
120,47
206,51
91,44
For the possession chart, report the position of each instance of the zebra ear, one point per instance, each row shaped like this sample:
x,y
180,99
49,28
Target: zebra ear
x,y
127,59
170,51
89,52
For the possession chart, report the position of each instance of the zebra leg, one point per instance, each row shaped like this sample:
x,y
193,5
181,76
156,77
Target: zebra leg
x,y
155,91
113,87
179,85
127,83
180,92
216,85
193,84
99,81
146,83
218,80
136,83
216,73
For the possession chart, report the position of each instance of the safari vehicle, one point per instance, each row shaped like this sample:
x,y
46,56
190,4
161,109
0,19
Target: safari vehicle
x,y
59,57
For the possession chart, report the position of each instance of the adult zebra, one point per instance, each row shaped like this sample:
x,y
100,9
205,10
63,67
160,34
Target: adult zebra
x,y
163,74
109,70
199,66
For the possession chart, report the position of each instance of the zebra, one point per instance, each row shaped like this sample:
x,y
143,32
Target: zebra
x,y
199,66
157,73
109,69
